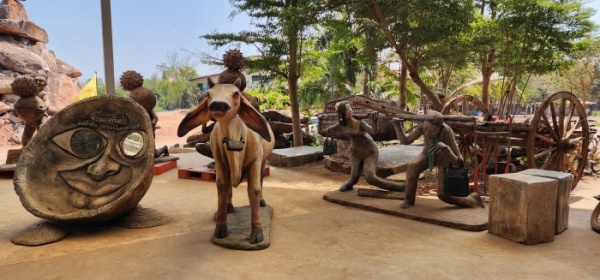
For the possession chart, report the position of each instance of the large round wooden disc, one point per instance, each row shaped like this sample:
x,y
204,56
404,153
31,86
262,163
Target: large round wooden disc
x,y
91,162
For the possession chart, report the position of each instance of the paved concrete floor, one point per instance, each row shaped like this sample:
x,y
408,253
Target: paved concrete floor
x,y
311,239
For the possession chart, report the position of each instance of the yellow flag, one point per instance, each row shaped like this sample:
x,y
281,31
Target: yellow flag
x,y
89,90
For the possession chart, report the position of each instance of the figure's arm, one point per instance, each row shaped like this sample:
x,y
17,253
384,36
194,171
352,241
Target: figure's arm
x,y
399,128
323,131
44,96
370,129
153,118
448,146
451,141
406,139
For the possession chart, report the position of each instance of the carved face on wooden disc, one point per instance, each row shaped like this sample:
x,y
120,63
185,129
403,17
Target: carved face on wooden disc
x,y
93,161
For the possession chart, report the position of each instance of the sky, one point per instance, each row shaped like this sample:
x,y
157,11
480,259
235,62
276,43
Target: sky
x,y
144,32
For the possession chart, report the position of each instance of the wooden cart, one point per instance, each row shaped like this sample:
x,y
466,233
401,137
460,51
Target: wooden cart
x,y
556,138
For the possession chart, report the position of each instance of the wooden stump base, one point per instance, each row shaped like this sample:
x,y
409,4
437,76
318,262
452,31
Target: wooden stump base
x,y
523,207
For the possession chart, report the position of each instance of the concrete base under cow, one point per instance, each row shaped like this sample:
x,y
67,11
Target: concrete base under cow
x,y
238,222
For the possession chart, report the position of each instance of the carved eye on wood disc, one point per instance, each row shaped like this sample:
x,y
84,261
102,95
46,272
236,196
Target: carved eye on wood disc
x,y
133,144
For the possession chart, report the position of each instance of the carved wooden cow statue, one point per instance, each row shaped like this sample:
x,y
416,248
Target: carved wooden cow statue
x,y
241,141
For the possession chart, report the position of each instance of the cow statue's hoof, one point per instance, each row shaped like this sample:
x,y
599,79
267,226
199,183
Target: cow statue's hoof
x,y
230,208
221,231
263,203
256,235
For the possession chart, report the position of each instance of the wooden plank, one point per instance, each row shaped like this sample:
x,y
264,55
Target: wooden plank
x,y
379,193
383,107
160,168
427,210
203,173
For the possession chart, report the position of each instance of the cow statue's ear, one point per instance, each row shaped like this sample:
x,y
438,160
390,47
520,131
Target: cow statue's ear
x,y
238,83
254,119
195,118
211,83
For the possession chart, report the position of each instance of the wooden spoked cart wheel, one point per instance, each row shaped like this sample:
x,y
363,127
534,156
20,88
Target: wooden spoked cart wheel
x,y
463,105
559,136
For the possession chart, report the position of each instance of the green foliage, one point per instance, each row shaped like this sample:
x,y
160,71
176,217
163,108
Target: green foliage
x,y
278,29
337,60
173,94
338,47
424,33
272,95
121,92
520,38
101,86
172,86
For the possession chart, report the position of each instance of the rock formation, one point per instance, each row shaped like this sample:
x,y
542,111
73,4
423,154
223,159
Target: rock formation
x,y
23,52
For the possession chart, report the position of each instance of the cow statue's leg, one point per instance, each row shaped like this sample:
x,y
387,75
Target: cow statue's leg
x,y
263,203
254,196
230,208
224,199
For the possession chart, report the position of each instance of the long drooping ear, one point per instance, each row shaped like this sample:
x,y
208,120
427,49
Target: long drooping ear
x,y
195,118
211,83
253,119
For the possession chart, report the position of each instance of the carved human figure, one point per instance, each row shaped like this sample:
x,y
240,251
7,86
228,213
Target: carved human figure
x,y
91,163
30,107
133,81
439,149
364,153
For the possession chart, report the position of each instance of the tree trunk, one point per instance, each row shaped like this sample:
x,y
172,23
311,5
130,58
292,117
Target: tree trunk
x,y
402,97
487,59
366,82
486,73
293,89
436,104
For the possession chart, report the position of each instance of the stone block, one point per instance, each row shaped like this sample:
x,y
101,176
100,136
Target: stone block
x,y
295,156
565,183
523,207
392,160
25,29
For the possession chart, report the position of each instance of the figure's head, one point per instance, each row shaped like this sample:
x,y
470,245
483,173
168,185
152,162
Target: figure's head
x,y
433,123
41,81
344,111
